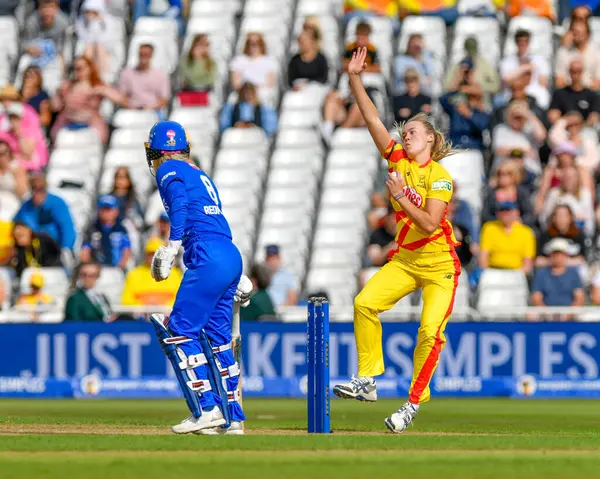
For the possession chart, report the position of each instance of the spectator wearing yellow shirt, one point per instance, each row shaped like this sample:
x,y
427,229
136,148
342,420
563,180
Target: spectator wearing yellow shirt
x,y
506,243
141,290
35,297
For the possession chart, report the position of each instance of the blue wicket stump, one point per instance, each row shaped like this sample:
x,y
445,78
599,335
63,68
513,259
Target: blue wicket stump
x,y
317,358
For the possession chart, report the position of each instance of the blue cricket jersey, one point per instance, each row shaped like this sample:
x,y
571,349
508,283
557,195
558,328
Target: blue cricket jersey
x,y
191,200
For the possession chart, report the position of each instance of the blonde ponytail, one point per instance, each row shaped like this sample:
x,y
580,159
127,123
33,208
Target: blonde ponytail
x,y
441,147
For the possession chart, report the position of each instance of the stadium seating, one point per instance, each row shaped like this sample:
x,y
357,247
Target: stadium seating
x,y
293,189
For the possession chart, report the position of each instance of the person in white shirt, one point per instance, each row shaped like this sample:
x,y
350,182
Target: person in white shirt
x,y
256,67
522,63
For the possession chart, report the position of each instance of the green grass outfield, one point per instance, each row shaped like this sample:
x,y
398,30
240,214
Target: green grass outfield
x,y
452,438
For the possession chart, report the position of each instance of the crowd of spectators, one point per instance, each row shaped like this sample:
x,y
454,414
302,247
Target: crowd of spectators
x,y
535,121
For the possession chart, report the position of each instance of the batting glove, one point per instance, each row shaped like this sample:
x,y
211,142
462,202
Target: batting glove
x,y
163,260
243,291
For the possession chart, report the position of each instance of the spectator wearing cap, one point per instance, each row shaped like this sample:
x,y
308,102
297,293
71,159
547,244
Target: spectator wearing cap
x,y
412,101
522,130
568,130
29,148
416,57
247,112
33,249
575,95
309,65
87,303
484,76
526,178
47,213
562,225
107,242
557,284
145,87
261,305
506,243
36,295
504,187
575,192
142,290
468,118
47,22
586,54
523,64
283,289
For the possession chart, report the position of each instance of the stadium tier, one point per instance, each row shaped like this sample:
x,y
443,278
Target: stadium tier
x,y
261,87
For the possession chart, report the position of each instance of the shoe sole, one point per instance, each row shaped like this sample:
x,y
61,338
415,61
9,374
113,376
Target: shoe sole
x,y
341,393
216,423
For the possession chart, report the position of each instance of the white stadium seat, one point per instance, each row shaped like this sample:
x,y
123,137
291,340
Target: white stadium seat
x,y
111,284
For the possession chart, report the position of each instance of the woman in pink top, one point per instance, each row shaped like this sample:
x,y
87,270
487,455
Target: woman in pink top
x,y
25,140
78,100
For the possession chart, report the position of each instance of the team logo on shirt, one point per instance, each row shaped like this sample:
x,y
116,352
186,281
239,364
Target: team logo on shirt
x,y
414,197
171,141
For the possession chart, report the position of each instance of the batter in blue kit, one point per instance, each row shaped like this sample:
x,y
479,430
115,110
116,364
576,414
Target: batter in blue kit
x,y
197,335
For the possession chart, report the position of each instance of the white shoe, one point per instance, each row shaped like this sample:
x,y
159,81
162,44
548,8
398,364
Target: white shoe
x,y
235,429
361,388
402,418
209,419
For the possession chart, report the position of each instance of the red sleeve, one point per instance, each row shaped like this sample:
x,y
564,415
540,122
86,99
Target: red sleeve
x,y
394,152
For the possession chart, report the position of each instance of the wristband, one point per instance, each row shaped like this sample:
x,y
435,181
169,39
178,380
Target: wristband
x,y
399,196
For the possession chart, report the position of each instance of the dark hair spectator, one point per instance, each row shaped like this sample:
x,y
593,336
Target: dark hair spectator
x,y
33,93
143,86
260,306
412,101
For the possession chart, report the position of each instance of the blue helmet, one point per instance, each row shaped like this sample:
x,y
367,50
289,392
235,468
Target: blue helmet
x,y
166,136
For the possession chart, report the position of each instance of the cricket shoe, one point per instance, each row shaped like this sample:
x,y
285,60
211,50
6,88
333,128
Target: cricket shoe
x,y
209,419
402,418
361,388
235,429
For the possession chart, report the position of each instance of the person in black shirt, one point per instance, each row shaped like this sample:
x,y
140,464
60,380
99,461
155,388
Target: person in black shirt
x,y
309,64
382,240
575,97
33,249
413,101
